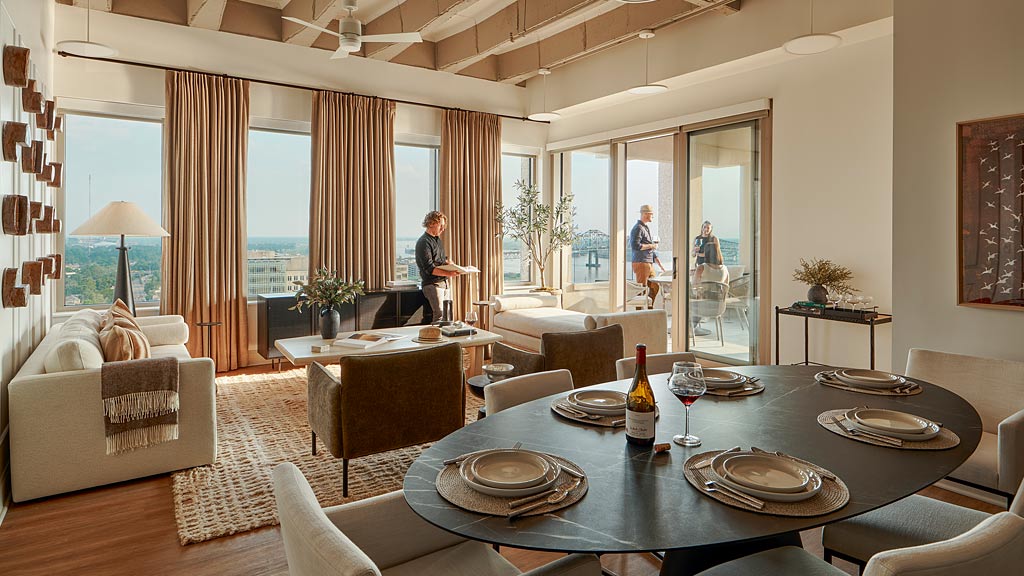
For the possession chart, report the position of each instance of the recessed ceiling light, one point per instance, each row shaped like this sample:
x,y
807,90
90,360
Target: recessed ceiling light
x,y
85,48
812,44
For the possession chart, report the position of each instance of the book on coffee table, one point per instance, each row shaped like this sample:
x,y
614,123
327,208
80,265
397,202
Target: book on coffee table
x,y
366,339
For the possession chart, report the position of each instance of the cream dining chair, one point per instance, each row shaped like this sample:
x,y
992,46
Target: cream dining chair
x,y
656,363
514,391
383,536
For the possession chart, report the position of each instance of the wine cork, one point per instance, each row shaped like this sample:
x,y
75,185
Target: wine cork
x,y
663,447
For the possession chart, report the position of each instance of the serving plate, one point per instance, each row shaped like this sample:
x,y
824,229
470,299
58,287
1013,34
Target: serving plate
x,y
716,379
869,378
766,472
931,432
809,491
606,399
890,420
466,472
510,469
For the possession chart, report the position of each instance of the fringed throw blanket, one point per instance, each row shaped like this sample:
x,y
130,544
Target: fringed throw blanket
x,y
140,402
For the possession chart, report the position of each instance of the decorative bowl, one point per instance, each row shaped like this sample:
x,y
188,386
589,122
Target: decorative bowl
x,y
498,371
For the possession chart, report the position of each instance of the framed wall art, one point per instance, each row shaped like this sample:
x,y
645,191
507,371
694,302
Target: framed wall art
x,y
990,210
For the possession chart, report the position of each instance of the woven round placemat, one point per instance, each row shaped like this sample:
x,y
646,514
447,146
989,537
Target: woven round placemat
x,y
757,388
452,488
820,378
833,496
606,421
945,440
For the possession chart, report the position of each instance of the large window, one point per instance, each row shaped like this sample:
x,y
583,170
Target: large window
x,y
110,159
516,264
586,174
277,205
415,194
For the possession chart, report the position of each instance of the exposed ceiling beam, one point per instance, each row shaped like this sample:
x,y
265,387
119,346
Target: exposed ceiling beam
x,y
619,25
104,5
731,8
409,16
515,23
326,12
206,13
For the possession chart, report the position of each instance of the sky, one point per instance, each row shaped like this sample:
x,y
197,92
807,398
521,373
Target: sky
x,y
277,184
415,188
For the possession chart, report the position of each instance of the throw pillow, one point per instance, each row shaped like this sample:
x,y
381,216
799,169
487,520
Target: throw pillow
x,y
119,311
120,343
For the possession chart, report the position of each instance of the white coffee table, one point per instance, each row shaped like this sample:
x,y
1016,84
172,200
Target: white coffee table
x,y
299,351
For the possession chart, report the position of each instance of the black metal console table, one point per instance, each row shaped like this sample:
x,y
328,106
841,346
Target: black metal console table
x,y
870,322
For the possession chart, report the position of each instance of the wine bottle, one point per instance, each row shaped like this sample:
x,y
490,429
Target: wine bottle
x,y
640,410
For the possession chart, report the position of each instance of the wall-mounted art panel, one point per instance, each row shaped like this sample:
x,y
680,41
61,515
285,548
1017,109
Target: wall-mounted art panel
x,y
58,264
58,123
35,210
57,179
44,224
26,158
24,217
46,173
32,274
31,100
56,226
37,157
49,115
16,214
14,133
14,295
16,66
47,266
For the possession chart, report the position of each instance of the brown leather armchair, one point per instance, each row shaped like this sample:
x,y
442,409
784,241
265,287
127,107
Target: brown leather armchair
x,y
386,401
589,355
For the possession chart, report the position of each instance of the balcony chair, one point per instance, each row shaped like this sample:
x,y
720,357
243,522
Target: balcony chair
x,y
709,304
520,389
638,296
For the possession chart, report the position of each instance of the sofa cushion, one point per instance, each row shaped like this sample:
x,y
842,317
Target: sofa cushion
x,y
649,327
166,333
121,343
536,321
178,351
504,302
72,354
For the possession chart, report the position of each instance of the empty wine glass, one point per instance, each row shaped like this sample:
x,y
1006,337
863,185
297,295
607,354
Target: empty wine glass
x,y
856,301
834,297
687,384
867,300
471,318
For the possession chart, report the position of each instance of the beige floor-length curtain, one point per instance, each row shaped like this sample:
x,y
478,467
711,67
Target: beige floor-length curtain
x,y
351,208
470,190
204,260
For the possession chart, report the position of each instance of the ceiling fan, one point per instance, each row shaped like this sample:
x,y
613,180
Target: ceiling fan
x,y
350,32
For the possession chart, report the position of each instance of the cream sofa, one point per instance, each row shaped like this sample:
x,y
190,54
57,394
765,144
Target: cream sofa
x,y
521,319
56,414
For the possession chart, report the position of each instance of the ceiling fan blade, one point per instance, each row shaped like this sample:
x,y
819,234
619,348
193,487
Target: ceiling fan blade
x,y
339,53
400,37
310,25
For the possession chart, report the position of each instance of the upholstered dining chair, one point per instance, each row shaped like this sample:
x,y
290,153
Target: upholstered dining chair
x,y
383,402
519,389
656,363
913,521
382,535
709,303
993,387
995,546
589,355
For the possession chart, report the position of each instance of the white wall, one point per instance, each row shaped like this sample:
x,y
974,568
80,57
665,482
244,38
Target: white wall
x,y
954,62
25,23
832,168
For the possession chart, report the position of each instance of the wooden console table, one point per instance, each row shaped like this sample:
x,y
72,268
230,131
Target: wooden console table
x,y
870,322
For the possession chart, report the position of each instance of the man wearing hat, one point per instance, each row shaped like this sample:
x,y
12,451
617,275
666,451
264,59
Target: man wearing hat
x,y
643,248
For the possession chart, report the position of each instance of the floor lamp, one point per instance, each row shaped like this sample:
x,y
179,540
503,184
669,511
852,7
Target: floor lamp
x,y
122,219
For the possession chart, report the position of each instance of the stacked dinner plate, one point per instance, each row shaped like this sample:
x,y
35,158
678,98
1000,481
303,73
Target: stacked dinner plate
x,y
717,379
601,402
874,379
510,473
766,476
892,423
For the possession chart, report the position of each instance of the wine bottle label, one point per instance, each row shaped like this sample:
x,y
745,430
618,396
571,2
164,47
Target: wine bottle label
x,y
640,424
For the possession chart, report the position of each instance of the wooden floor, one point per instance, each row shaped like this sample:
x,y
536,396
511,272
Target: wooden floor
x,y
129,528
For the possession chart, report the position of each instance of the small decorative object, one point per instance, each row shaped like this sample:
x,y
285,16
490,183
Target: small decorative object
x,y
320,348
56,226
542,229
57,176
14,295
14,133
58,123
45,173
47,266
327,291
16,66
497,372
24,217
35,210
44,224
990,213
26,158
31,100
58,264
37,157
32,274
16,215
49,115
822,275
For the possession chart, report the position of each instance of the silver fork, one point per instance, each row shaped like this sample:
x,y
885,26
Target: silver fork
x,y
712,486
854,432
560,494
578,413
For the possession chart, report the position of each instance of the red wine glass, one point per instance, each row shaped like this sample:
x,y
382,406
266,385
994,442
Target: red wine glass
x,y
687,384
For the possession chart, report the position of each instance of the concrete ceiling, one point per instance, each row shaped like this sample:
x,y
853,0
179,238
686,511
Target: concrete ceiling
x,y
498,40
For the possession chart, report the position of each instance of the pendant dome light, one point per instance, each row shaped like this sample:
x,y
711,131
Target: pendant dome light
x,y
544,115
812,43
647,87
86,47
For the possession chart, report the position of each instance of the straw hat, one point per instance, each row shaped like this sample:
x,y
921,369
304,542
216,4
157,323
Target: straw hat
x,y
646,208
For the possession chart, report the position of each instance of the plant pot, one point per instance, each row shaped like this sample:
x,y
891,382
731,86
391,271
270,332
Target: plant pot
x,y
330,323
818,294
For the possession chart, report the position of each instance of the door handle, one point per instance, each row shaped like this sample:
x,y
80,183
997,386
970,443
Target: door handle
x,y
675,266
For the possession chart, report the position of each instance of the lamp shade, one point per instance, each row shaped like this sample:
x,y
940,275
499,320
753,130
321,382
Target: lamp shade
x,y
120,218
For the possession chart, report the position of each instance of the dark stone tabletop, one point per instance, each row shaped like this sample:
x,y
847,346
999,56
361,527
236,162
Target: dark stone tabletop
x,y
639,501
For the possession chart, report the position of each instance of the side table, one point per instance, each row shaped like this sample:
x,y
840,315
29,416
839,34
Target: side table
x,y
208,341
869,322
476,387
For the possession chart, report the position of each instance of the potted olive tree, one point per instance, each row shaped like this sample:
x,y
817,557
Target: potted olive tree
x,y
823,276
326,290
543,230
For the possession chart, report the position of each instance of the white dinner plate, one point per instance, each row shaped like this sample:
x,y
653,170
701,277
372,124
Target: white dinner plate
x,y
607,399
869,378
766,472
931,432
466,472
419,340
617,411
890,420
716,379
510,469
809,491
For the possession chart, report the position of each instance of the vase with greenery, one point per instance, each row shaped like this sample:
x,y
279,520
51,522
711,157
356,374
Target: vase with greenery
x,y
542,229
823,276
328,292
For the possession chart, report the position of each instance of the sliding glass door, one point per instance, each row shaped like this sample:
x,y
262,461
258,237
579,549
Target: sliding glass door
x,y
650,172
723,198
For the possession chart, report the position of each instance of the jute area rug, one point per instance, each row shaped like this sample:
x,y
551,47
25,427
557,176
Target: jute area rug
x,y
261,422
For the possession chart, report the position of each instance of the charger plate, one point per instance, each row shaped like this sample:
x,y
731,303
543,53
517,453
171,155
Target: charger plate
x,y
945,439
823,379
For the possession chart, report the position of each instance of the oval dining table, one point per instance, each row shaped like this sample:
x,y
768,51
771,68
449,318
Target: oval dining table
x,y
639,501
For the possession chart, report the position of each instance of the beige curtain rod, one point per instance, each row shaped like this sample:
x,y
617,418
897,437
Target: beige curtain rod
x,y
283,84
